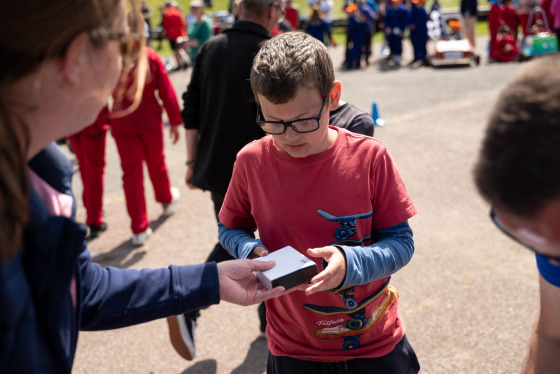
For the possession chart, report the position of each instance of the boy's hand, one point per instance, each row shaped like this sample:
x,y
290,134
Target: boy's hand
x,y
333,275
258,252
174,134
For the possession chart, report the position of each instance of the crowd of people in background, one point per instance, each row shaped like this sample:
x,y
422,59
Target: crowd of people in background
x,y
509,23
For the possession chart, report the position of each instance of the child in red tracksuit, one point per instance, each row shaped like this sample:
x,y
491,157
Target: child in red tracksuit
x,y
89,147
505,46
139,137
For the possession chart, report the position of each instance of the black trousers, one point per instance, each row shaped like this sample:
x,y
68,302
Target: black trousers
x,y
219,254
401,360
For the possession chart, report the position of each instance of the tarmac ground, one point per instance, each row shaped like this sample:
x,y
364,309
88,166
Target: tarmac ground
x,y
468,298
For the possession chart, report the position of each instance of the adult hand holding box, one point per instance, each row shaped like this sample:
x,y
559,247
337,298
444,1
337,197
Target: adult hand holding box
x,y
292,269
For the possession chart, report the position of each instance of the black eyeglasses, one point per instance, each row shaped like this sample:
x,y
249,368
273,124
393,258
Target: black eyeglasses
x,y
302,125
510,235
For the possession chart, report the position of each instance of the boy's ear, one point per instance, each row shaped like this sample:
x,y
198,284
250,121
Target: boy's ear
x,y
334,95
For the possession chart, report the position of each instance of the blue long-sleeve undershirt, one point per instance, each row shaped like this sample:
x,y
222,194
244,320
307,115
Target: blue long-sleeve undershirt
x,y
392,251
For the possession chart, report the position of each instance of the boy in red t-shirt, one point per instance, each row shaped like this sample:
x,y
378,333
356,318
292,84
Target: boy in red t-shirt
x,y
336,197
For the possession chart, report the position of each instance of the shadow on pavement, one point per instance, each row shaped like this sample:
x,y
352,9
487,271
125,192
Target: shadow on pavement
x,y
116,256
202,367
255,361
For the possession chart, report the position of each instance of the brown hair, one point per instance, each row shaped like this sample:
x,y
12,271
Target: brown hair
x,y
290,61
31,33
518,164
316,14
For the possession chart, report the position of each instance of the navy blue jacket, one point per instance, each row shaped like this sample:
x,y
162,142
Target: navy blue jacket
x,y
38,322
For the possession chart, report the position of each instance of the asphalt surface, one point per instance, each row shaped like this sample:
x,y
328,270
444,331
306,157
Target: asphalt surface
x,y
469,297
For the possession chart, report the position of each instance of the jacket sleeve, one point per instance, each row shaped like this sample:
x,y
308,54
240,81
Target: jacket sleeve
x,y
114,298
191,97
166,92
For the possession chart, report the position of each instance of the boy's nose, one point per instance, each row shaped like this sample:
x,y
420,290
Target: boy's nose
x,y
290,132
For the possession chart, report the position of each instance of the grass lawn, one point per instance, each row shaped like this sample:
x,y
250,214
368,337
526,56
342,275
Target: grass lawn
x,y
339,34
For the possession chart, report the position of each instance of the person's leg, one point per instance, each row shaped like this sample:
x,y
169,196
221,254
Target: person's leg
x,y
366,48
397,49
132,155
469,23
558,37
152,142
262,319
93,147
182,327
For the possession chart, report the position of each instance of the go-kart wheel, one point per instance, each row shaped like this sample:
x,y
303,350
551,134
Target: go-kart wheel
x,y
351,342
342,233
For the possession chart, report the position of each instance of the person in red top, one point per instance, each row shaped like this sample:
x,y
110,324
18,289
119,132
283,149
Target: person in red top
x,y
175,29
139,137
545,4
89,146
509,17
493,25
505,47
292,15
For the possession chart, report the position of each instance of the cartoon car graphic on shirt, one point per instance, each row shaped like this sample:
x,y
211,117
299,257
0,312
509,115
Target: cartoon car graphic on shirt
x,y
358,323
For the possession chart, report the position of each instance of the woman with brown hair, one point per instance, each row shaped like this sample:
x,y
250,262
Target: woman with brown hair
x,y
60,62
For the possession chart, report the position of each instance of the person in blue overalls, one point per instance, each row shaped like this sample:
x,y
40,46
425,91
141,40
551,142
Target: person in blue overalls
x,y
419,31
396,21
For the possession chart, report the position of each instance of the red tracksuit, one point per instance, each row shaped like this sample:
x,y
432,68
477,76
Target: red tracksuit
x,y
509,16
139,137
89,146
500,53
494,18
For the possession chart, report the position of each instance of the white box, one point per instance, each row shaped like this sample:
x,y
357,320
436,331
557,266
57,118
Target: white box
x,y
291,269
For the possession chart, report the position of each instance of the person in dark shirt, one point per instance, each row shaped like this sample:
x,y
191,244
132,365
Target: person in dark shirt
x,y
219,115
351,118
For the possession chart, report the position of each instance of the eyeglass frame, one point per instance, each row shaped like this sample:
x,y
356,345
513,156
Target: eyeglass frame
x,y
499,225
282,8
291,123
125,39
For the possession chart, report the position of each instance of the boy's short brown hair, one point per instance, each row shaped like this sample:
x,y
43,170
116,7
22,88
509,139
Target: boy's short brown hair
x,y
518,164
290,61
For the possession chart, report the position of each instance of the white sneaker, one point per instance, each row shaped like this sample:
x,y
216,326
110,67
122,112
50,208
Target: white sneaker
x,y
140,239
169,209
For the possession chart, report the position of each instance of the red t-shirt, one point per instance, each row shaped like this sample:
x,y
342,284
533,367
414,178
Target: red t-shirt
x,y
283,197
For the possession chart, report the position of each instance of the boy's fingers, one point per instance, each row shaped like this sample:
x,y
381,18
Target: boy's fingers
x,y
268,294
260,251
319,252
314,288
